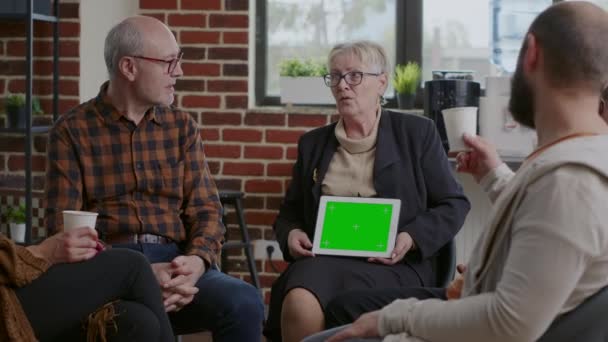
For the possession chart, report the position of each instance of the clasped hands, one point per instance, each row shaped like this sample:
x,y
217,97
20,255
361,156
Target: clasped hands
x,y
300,246
178,279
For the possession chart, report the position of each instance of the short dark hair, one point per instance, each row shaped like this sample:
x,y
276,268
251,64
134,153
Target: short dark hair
x,y
573,36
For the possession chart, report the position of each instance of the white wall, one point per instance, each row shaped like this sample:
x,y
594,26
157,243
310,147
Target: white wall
x,y
251,54
96,19
476,220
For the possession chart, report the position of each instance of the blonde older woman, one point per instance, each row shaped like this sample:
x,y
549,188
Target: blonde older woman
x,y
369,152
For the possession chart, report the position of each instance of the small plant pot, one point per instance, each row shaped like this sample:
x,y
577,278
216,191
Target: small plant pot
x,y
15,117
17,232
405,101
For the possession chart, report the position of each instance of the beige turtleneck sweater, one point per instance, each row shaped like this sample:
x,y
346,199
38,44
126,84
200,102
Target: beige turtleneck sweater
x,y
351,170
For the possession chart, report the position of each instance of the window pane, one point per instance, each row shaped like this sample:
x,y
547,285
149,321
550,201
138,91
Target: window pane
x,y
456,36
469,35
602,3
309,29
510,22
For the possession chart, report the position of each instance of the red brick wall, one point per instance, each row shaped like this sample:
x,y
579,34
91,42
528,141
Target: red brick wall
x,y
12,80
248,150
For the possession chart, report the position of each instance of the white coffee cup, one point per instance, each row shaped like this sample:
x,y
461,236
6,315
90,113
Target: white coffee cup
x,y
17,232
458,121
75,218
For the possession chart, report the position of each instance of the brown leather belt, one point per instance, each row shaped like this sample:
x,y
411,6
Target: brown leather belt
x,y
136,238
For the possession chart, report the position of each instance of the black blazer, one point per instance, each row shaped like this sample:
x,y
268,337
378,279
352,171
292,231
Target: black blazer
x,y
410,165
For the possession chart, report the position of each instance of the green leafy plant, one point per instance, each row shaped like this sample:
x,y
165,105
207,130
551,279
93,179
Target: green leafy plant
x,y
15,101
18,100
36,108
406,78
297,68
16,215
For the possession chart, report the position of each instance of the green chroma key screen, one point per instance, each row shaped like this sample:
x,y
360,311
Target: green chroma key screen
x,y
356,226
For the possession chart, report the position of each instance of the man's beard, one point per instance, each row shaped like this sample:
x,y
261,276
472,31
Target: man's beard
x,y
521,103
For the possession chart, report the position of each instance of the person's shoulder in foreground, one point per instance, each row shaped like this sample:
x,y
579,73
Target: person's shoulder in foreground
x,y
516,284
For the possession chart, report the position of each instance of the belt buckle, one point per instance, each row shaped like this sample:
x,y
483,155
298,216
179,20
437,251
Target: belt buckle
x,y
148,238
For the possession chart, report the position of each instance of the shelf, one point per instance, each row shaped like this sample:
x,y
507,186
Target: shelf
x,y
25,244
35,16
44,17
35,129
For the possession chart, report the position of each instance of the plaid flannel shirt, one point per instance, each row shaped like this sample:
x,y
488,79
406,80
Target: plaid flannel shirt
x,y
150,178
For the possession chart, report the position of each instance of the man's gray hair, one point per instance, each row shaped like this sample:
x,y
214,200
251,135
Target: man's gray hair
x,y
124,39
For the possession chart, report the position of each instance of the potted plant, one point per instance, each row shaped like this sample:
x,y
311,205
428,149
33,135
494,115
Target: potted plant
x,y
405,82
15,110
301,82
16,220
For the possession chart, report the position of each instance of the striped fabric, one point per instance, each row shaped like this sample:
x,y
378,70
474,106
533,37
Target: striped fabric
x,y
150,178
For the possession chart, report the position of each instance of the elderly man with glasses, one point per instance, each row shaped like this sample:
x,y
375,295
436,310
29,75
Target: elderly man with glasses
x,y
138,162
369,152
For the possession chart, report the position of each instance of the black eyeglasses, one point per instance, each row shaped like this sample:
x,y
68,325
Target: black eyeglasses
x,y
351,78
172,62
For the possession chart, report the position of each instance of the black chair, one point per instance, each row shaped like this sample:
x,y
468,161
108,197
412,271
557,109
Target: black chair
x,y
235,198
444,264
585,323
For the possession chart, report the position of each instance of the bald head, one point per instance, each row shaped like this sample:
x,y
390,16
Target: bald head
x,y
133,36
572,36
151,29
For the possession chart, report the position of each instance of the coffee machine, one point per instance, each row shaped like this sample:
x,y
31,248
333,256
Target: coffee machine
x,y
449,89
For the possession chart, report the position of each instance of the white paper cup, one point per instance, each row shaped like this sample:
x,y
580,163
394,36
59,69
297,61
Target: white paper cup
x,y
75,218
18,232
458,121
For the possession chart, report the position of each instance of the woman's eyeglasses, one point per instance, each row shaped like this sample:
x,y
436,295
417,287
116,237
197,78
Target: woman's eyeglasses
x,y
351,78
172,62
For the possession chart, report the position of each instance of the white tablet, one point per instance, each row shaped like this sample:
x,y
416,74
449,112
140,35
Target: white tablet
x,y
356,226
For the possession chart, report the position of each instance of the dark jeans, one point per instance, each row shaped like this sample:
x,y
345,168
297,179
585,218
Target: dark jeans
x,y
58,303
228,307
346,308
